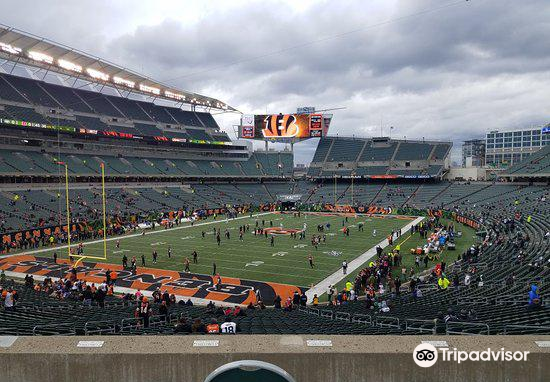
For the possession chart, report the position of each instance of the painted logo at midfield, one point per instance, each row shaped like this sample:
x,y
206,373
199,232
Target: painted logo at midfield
x,y
281,231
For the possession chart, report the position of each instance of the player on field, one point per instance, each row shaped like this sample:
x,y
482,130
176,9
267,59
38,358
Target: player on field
x,y
310,259
186,263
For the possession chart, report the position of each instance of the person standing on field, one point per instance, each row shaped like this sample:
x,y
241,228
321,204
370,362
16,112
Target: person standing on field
x,y
186,263
310,259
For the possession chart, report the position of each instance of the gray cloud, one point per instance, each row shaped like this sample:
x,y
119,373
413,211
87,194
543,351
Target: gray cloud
x,y
449,74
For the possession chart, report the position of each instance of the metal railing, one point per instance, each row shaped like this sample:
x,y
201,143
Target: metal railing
x,y
327,314
472,300
66,329
362,319
418,325
128,324
526,329
464,327
99,327
387,322
342,316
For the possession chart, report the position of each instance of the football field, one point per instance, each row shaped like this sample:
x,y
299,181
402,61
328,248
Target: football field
x,y
253,257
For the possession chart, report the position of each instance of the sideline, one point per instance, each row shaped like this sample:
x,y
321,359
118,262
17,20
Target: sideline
x,y
353,265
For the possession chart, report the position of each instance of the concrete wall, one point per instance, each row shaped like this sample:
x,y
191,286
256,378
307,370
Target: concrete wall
x,y
350,359
466,173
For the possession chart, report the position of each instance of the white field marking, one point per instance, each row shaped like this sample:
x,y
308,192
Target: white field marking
x,y
254,264
353,265
49,249
121,251
300,246
158,243
187,237
331,234
255,270
279,254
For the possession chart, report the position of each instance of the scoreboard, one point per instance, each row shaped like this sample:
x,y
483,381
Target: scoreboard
x,y
284,127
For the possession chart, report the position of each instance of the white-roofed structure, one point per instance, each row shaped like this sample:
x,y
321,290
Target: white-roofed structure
x,y
20,47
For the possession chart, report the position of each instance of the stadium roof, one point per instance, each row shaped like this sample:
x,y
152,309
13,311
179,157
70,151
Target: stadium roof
x,y
25,48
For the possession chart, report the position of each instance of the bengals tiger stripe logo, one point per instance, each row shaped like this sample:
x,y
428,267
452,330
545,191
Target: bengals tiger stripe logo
x,y
281,126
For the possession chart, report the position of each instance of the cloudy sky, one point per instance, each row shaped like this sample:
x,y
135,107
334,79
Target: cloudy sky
x,y
439,69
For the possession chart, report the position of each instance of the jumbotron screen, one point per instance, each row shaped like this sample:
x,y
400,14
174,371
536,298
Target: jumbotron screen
x,y
283,127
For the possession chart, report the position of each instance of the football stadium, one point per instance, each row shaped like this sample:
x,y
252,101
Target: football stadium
x,y
145,238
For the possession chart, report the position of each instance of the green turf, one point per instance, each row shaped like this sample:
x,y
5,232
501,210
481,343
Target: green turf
x,y
233,255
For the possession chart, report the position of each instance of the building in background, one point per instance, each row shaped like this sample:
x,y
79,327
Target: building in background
x,y
505,148
473,153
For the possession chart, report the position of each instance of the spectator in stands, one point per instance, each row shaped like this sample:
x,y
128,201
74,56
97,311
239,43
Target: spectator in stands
x,y
99,296
288,304
443,282
210,307
303,299
534,297
315,301
163,311
182,326
228,327
198,327
9,300
277,302
330,293
145,311
213,327
87,296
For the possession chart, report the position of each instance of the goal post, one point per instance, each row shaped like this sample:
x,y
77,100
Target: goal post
x,y
104,205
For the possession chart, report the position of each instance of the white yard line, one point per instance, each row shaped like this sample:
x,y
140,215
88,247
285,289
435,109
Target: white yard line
x,y
353,265
159,231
